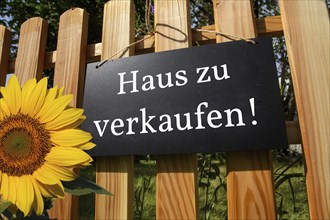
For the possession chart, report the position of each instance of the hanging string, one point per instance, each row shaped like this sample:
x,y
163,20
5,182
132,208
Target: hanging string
x,y
152,35
228,36
122,50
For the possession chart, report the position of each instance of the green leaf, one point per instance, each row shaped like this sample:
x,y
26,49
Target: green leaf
x,y
82,186
4,206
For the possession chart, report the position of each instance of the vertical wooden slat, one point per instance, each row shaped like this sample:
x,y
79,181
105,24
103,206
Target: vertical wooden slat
x,y
31,49
306,30
116,173
70,72
71,53
249,174
176,181
173,25
5,41
177,187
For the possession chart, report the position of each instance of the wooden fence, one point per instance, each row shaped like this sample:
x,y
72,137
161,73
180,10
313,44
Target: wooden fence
x,y
305,25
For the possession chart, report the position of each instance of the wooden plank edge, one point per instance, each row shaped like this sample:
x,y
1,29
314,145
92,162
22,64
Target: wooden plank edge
x,y
5,42
293,132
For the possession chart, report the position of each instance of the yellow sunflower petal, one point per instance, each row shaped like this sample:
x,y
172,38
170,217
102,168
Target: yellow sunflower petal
x,y
63,173
25,194
51,191
26,94
13,95
70,137
87,146
12,189
60,92
68,156
45,175
37,97
51,110
51,95
75,124
3,91
4,190
44,192
67,117
38,203
4,108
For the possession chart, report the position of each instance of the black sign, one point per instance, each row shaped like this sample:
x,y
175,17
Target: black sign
x,y
221,97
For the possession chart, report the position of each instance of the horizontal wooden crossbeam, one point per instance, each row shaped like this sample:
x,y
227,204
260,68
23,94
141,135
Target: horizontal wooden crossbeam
x,y
268,26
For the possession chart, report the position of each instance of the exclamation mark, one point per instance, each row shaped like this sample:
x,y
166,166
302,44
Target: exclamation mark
x,y
254,122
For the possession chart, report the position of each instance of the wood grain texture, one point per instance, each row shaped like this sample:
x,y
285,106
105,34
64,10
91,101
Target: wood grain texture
x,y
250,190
306,30
250,186
5,41
31,49
70,73
172,25
177,187
118,28
116,173
71,53
234,18
176,180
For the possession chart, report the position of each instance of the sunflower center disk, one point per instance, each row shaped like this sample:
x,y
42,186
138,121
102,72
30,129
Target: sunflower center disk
x,y
17,143
24,143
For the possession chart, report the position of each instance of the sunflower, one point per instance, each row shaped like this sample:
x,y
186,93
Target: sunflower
x,y
40,143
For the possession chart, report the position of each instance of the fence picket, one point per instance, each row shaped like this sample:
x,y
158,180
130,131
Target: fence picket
x,y
70,72
31,49
176,181
250,187
116,173
306,29
5,41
